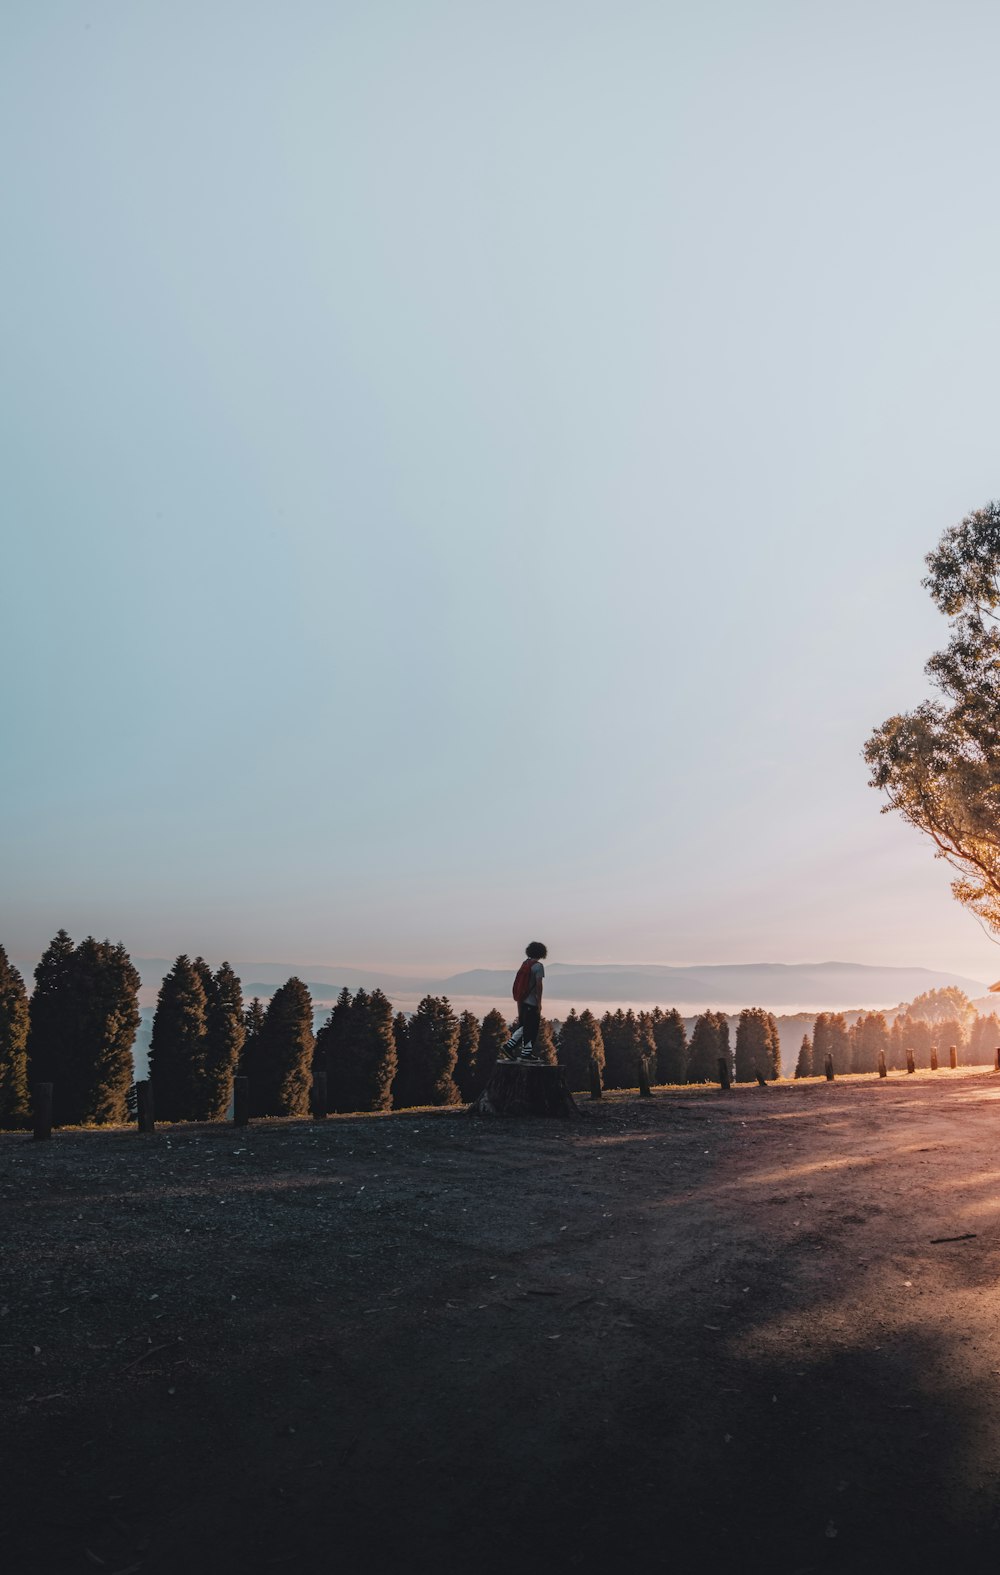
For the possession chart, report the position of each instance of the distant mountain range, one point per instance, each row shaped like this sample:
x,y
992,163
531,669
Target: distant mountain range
x,y
777,986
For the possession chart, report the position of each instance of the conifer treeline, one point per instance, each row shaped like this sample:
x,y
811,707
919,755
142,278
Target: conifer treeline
x,y
78,1030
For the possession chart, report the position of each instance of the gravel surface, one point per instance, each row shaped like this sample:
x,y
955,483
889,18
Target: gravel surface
x,y
701,1332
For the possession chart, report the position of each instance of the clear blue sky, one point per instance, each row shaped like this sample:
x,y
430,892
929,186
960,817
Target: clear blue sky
x,y
466,470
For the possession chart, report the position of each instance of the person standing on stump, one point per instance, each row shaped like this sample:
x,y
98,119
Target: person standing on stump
x,y
527,993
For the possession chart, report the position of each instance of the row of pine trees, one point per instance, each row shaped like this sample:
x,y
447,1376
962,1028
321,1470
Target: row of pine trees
x,y
78,1030
934,1021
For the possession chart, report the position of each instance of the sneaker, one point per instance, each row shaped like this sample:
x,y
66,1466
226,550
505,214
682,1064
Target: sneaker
x,y
528,1054
505,1054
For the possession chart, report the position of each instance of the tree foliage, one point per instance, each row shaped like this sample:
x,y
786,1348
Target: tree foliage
x,y
493,1032
709,1043
14,1103
177,1048
279,1062
939,765
426,1073
804,1064
83,1017
580,1047
356,1047
869,1037
670,1039
465,1061
758,1047
831,1037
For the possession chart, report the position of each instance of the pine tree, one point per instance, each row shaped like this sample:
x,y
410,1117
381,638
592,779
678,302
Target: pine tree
x,y
869,1036
465,1064
177,1048
671,1046
820,1044
253,1022
722,1033
580,1046
619,1047
426,1075
645,1046
52,1013
754,1045
280,1074
545,1042
709,1041
83,1018
14,1102
224,1034
110,1027
493,1032
984,1039
804,1065
356,1046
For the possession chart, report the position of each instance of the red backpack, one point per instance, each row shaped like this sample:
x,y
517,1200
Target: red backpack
x,y
523,980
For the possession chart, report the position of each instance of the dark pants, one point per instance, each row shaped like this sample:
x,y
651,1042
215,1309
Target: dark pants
x,y
530,1019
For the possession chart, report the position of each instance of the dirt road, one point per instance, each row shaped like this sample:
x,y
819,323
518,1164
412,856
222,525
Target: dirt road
x,y
703,1332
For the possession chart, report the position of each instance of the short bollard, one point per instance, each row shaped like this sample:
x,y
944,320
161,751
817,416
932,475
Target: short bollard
x,y
953,1056
144,1105
829,1068
934,1061
319,1096
41,1105
241,1101
596,1091
723,1074
881,1064
910,1063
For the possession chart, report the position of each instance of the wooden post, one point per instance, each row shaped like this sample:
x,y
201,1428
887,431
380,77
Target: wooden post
x,y
910,1063
645,1092
829,1068
881,1064
319,1096
144,1105
723,1074
41,1102
934,1060
241,1101
596,1092
953,1053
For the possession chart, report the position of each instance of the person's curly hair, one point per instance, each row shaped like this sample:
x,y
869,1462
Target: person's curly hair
x,y
536,949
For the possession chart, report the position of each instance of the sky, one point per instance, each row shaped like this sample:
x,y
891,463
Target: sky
x,y
465,471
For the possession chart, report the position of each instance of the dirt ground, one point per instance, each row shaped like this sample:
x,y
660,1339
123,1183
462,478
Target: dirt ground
x,y
704,1332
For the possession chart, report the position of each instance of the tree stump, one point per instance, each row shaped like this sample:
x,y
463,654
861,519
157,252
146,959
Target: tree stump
x,y
596,1091
829,1069
934,1060
911,1065
645,1092
724,1078
953,1055
517,1089
761,1080
881,1064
